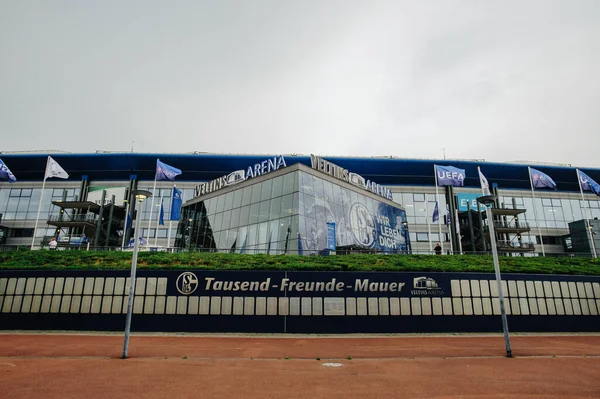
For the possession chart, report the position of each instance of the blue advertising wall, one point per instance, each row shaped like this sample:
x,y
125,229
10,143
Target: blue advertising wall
x,y
297,302
360,221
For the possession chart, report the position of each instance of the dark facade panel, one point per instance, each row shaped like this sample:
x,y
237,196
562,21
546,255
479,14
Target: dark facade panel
x,y
203,167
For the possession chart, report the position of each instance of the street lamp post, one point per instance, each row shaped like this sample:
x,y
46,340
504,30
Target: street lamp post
x,y
407,238
489,200
140,195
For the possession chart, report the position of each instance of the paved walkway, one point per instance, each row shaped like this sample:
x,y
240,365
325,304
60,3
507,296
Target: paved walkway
x,y
78,365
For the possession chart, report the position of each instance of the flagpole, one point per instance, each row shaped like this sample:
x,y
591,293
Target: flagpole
x,y
429,225
124,230
535,211
151,209
37,218
157,221
587,221
457,227
171,217
169,234
437,198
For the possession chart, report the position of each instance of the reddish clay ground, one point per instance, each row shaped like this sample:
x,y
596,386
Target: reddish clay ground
x,y
75,366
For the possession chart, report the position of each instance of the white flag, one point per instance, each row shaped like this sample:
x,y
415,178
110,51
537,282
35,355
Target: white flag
x,y
485,186
53,169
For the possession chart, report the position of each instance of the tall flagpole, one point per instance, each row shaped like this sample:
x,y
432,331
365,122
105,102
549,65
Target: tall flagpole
x,y
37,218
170,220
169,234
124,230
497,271
429,225
437,198
157,221
587,220
535,211
151,209
449,220
457,227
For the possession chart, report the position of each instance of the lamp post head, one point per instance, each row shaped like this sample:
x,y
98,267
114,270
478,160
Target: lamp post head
x,y
486,199
141,195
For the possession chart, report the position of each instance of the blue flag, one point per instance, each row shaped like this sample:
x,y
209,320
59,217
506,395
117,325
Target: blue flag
x,y
588,184
450,176
166,172
161,217
176,204
541,180
127,222
436,213
5,173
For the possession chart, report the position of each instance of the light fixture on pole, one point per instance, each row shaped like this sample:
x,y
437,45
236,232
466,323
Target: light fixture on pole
x,y
489,201
140,196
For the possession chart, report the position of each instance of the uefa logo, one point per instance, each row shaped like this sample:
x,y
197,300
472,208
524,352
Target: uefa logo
x,y
363,225
187,283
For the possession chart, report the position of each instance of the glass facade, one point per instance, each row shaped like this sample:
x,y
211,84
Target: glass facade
x,y
301,214
290,213
258,218
553,213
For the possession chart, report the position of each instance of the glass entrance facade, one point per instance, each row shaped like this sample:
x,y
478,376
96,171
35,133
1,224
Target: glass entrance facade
x,y
288,211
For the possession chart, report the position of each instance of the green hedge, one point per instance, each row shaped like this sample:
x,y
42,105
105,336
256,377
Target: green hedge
x,y
62,260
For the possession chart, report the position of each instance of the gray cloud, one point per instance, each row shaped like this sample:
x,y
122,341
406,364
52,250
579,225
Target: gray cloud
x,y
495,80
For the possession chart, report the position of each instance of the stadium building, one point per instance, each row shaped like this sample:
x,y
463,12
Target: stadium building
x,y
294,204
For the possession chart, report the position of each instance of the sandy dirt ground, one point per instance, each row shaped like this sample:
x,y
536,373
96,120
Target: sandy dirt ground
x,y
40,365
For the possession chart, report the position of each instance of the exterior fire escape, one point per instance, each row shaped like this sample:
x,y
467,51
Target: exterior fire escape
x,y
89,222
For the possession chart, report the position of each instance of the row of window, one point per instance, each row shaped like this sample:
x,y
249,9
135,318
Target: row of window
x,y
23,203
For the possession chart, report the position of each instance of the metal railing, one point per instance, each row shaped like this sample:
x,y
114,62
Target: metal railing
x,y
6,248
515,244
503,225
306,252
90,218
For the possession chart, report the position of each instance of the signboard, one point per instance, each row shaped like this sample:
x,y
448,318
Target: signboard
x,y
259,169
450,176
278,301
338,172
367,225
471,199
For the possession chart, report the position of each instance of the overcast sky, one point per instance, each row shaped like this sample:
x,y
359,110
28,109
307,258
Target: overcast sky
x,y
494,80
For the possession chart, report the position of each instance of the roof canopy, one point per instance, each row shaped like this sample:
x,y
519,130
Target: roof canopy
x,y
204,167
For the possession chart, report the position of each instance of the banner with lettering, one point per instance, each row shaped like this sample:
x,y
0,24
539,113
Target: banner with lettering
x,y
450,176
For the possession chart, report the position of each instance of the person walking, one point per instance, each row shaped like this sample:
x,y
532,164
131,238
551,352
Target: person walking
x,y
438,249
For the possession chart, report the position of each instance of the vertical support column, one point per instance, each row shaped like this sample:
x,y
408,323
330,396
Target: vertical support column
x,y
83,193
471,232
481,227
100,216
110,219
452,208
133,185
519,238
61,215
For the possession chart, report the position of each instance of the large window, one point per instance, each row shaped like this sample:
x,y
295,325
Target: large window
x,y
246,220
